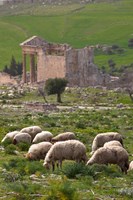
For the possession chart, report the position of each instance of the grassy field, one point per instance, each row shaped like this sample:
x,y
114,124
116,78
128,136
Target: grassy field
x,y
23,179
78,25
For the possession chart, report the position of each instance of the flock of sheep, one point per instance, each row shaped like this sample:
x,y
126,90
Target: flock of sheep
x,y
107,148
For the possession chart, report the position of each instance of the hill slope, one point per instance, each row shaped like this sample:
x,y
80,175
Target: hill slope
x,y
79,25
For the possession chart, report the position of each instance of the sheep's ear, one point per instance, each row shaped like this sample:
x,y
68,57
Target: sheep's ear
x,y
25,155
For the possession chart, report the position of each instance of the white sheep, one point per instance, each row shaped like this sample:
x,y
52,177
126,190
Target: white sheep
x,y
43,136
31,130
65,150
101,138
112,143
38,151
22,137
64,136
10,136
130,166
112,155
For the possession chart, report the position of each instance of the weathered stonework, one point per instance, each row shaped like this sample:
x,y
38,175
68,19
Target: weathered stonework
x,y
48,60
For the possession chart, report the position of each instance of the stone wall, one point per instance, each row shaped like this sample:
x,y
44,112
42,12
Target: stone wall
x,y
61,61
81,70
50,66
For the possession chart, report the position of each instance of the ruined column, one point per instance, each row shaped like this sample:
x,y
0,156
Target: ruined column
x,y
31,69
34,68
41,65
24,68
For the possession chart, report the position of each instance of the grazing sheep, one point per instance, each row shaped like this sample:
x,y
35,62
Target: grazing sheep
x,y
130,166
65,150
112,155
31,130
101,138
112,143
43,136
10,136
64,136
22,137
38,151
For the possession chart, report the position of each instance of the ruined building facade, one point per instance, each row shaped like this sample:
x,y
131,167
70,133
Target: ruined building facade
x,y
49,60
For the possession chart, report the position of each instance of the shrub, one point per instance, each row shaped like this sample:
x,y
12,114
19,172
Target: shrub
x,y
61,190
126,192
22,192
11,177
23,146
24,167
7,142
130,42
76,170
10,149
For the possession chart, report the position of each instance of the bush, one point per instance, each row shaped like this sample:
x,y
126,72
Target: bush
x,y
130,42
23,146
10,149
74,170
7,142
23,166
61,190
22,192
96,171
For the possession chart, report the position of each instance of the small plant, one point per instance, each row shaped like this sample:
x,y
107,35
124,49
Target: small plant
x,y
22,192
7,142
80,124
11,177
126,192
24,167
10,149
61,190
23,146
74,170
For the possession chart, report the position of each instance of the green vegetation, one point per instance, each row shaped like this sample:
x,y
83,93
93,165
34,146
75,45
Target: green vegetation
x,y
56,86
86,112
79,25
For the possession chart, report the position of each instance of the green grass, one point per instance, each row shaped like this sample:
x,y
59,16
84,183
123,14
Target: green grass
x,y
74,181
78,25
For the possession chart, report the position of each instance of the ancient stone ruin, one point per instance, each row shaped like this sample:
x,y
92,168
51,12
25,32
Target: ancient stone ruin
x,y
50,60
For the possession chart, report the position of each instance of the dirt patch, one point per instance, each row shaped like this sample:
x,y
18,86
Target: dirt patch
x,y
7,79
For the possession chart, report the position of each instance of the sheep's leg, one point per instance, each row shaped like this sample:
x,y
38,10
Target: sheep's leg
x,y
123,168
60,164
53,165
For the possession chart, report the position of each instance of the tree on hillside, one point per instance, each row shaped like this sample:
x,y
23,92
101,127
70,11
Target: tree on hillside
x,y
112,65
126,81
14,68
130,43
56,86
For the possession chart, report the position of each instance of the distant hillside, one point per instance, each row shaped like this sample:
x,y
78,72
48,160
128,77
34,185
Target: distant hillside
x,y
55,2
103,24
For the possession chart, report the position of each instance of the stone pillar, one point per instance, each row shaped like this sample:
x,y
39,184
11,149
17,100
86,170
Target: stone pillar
x,y
32,68
24,69
41,65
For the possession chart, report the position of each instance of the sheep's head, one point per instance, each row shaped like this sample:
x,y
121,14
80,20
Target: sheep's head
x,y
14,141
46,165
29,156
